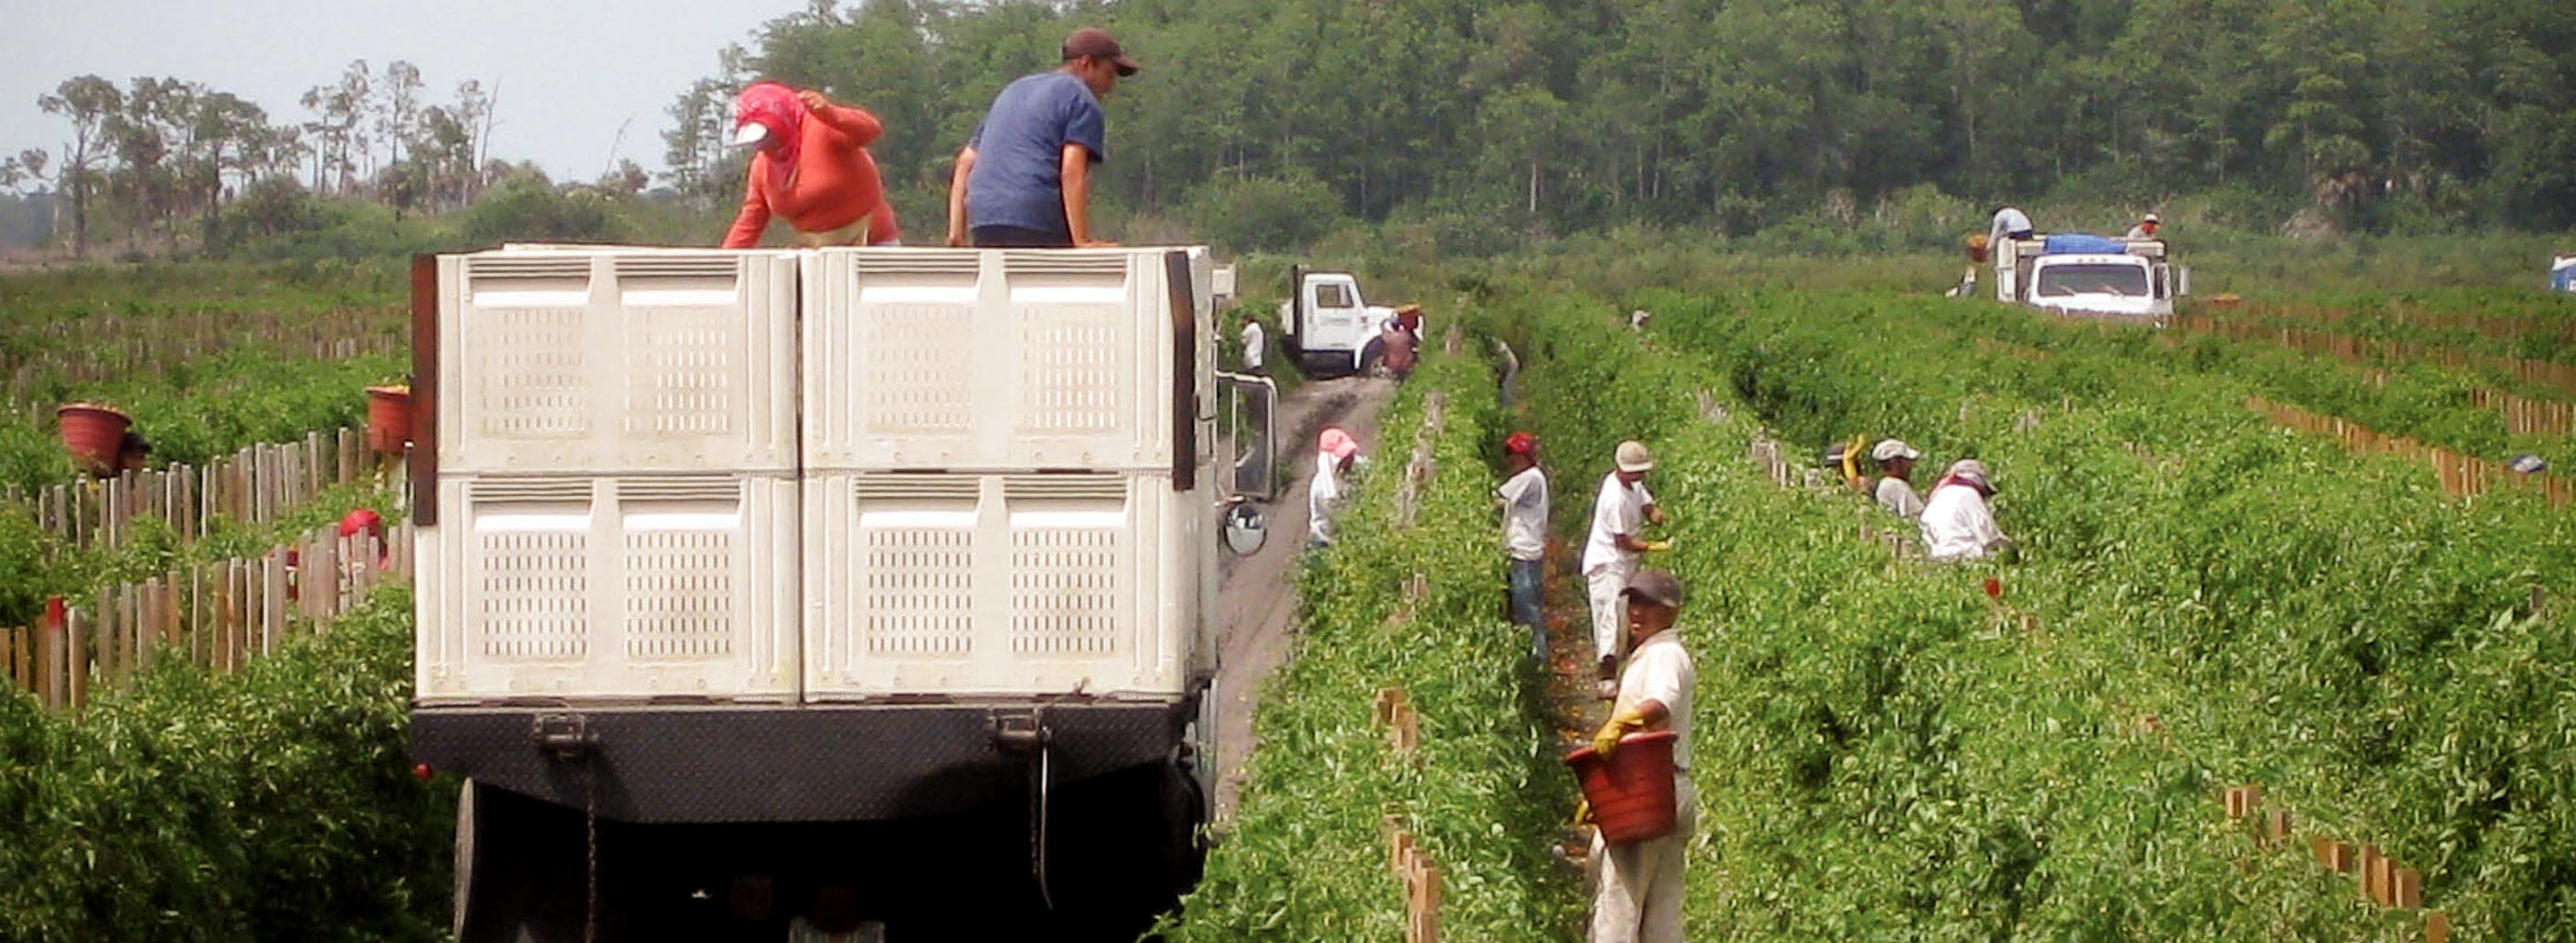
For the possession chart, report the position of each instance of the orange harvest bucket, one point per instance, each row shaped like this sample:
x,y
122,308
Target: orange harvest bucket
x,y
389,418
1631,792
94,434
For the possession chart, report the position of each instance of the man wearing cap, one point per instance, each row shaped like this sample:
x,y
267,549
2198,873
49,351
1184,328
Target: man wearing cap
x,y
2146,228
1524,500
1640,896
1895,488
1957,524
810,166
1024,179
1619,516
1335,451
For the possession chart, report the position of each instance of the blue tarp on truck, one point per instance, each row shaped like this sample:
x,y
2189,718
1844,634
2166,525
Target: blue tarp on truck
x,y
2076,243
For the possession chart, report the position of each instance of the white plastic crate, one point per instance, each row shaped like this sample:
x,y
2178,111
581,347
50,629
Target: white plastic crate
x,y
617,361
969,585
610,588
918,359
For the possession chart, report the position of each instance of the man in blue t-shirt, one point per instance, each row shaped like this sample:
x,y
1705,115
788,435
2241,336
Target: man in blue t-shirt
x,y
1024,179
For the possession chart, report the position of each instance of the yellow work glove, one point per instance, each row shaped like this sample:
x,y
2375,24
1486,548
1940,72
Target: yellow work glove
x,y
1658,546
1582,811
1621,724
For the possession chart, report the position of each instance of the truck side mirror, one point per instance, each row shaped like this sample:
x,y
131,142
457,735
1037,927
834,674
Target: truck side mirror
x,y
1245,529
1247,433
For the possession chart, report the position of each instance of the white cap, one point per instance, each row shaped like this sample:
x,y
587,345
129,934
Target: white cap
x,y
1973,471
1633,457
1890,449
751,132
2151,218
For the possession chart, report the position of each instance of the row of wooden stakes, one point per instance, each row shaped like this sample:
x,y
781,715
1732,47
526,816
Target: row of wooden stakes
x,y
219,615
1412,866
2351,349
2382,880
256,486
2461,476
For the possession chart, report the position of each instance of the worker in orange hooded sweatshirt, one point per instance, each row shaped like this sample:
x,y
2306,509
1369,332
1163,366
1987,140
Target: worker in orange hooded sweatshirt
x,y
811,167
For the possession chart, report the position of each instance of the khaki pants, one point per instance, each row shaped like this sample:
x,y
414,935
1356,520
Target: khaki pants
x,y
1609,607
1639,899
854,234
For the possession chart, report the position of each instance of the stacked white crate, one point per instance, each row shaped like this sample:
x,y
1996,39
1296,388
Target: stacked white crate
x,y
617,455
989,503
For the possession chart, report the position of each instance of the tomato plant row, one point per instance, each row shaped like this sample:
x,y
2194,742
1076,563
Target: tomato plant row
x,y
278,804
2220,602
1305,857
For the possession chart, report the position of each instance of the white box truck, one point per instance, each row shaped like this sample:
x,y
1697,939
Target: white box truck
x,y
1328,327
2099,276
882,574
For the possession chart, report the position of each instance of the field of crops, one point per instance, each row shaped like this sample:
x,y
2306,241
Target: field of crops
x,y
2214,602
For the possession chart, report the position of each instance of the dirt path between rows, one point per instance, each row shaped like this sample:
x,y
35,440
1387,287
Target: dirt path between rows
x,y
1259,598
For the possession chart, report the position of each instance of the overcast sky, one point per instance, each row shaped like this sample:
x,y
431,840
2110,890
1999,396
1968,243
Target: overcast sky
x,y
568,72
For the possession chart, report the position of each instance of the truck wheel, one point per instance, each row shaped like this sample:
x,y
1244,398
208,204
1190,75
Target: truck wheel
x,y
1372,359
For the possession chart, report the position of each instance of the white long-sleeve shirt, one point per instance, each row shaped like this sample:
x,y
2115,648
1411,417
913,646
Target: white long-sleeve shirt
x,y
1323,497
1524,498
1252,344
2008,220
1620,509
1957,525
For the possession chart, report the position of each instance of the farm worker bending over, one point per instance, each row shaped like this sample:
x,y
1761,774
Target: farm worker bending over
x,y
1895,489
2010,223
1957,525
1524,500
1640,897
1619,518
1335,452
1024,179
812,168
2146,228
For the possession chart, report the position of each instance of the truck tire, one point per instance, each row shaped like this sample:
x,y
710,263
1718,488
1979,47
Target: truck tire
x,y
1372,359
519,870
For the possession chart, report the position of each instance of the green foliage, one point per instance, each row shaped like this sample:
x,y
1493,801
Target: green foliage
x,y
1879,760
2365,115
1263,213
1306,858
276,804
527,207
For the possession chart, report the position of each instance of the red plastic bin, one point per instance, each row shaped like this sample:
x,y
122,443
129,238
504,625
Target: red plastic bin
x,y
1631,792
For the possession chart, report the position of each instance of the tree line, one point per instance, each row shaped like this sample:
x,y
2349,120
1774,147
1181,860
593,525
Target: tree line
x,y
1734,115
146,159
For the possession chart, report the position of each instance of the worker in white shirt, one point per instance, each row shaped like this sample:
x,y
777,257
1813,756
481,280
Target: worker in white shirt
x,y
1335,452
1619,518
1640,896
1253,340
2146,228
1524,499
1895,488
1957,524
2010,223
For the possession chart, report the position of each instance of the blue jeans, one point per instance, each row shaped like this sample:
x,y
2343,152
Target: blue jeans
x,y
1525,583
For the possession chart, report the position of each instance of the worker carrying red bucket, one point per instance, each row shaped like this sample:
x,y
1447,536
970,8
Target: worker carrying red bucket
x,y
1636,775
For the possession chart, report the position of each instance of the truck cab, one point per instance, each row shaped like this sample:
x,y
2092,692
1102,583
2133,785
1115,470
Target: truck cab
x,y
2562,274
2089,276
1327,326
888,569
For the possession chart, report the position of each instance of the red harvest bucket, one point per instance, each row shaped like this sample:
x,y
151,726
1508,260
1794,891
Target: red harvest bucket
x,y
94,434
389,418
1632,792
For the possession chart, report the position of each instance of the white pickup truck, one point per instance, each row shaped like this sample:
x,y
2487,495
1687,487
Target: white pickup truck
x,y
764,573
1328,327
2119,278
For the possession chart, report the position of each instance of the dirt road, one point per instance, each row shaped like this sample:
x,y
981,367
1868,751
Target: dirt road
x,y
1260,591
